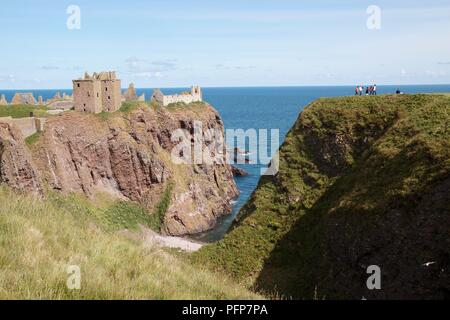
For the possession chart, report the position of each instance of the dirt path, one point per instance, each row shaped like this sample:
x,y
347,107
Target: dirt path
x,y
151,238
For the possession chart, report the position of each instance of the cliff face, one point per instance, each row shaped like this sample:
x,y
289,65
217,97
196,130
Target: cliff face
x,y
363,181
127,154
16,166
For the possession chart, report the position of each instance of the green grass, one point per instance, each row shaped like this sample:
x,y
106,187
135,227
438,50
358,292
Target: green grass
x,y
353,157
22,111
130,215
156,220
33,138
129,106
181,105
114,215
39,239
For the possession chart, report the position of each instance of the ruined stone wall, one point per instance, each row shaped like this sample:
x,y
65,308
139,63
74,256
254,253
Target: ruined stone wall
x,y
87,96
62,104
195,96
176,98
27,126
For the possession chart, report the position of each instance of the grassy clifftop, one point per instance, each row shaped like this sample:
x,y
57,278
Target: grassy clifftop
x,y
363,181
22,111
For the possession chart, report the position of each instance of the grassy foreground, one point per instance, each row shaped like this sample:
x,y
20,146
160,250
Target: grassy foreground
x,y
39,239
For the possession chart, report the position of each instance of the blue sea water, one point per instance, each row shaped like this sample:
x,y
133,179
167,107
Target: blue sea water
x,y
259,108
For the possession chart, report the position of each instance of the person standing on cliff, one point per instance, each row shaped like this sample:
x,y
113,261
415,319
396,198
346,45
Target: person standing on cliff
x,y
374,89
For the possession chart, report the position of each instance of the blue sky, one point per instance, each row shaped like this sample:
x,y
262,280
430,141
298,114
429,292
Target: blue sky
x,y
161,43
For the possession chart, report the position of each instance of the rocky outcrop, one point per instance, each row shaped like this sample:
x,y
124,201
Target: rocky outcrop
x,y
127,155
16,166
3,100
130,94
23,98
238,172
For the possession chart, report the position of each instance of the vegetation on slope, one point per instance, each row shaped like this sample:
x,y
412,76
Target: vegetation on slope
x,y
40,239
22,111
33,138
362,181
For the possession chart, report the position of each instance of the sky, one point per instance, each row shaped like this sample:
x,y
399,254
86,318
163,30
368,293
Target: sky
x,y
225,43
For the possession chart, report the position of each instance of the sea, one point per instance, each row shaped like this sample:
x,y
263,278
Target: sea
x,y
269,108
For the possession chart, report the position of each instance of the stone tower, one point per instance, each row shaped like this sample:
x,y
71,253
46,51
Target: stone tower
x,y
196,93
97,93
111,91
86,95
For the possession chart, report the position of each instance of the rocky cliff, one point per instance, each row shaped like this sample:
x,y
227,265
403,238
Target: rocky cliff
x,y
16,166
127,155
363,181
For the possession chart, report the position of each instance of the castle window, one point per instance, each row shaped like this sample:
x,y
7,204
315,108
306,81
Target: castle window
x,y
89,94
97,95
78,85
109,97
106,89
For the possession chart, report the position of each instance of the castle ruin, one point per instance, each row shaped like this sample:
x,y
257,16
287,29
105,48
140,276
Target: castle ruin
x,y
23,98
97,93
186,97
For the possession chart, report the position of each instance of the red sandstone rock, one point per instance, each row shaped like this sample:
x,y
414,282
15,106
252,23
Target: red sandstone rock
x,y
16,166
128,156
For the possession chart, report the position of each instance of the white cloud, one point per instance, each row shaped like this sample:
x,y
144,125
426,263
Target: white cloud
x,y
435,74
49,67
137,66
8,78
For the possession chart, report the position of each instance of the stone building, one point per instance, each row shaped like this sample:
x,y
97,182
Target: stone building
x,y
97,93
23,98
186,97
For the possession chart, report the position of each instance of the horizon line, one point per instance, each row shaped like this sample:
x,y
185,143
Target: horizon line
x,y
249,87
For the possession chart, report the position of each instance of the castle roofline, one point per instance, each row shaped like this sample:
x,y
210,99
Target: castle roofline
x,y
102,76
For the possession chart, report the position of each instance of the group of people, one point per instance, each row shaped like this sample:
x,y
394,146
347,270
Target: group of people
x,y
370,90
